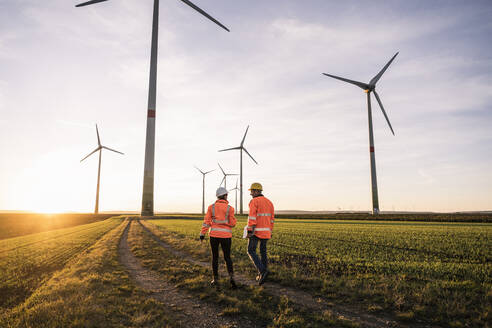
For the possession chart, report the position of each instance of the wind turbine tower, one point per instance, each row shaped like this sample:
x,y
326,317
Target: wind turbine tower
x,y
148,181
241,148
203,187
99,148
368,88
235,189
224,179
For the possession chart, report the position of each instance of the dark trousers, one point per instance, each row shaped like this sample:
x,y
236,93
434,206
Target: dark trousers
x,y
261,265
225,243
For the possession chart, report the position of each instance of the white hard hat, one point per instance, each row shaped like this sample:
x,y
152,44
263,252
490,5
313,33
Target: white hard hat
x,y
221,191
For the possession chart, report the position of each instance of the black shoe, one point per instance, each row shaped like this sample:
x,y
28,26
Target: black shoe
x,y
263,277
233,284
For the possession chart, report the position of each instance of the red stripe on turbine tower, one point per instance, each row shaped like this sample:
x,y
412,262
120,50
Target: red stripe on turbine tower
x,y
151,113
371,149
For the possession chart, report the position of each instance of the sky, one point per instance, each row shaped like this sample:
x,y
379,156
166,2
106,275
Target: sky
x,y
64,69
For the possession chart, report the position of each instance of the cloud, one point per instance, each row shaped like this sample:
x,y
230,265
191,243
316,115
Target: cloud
x,y
69,67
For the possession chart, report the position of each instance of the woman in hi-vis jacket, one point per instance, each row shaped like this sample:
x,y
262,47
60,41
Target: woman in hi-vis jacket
x,y
219,221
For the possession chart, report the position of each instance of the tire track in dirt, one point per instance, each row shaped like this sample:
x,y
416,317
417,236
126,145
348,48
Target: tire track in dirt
x,y
190,311
301,298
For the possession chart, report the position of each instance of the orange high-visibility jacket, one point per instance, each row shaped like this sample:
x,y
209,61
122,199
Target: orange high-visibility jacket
x,y
261,217
219,219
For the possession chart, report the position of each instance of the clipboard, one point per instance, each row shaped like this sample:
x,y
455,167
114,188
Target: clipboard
x,y
245,231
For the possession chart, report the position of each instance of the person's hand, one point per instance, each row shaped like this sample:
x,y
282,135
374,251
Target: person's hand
x,y
250,234
202,237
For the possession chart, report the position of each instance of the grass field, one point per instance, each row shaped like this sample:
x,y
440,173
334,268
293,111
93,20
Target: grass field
x,y
19,224
414,271
93,290
27,261
253,302
426,217
434,272
472,217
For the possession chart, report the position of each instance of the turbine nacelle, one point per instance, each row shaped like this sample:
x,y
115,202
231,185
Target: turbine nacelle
x,y
224,179
370,87
100,146
241,146
203,173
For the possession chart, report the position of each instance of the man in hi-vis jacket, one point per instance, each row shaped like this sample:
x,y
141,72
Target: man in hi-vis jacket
x,y
219,221
261,218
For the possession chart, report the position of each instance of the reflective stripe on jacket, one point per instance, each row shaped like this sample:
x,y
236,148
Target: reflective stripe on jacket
x,y
261,217
219,220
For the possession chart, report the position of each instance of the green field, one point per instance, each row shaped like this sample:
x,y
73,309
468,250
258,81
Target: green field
x,y
435,272
411,271
426,217
253,302
25,262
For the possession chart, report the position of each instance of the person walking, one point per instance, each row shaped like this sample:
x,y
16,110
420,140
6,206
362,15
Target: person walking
x,y
219,221
261,218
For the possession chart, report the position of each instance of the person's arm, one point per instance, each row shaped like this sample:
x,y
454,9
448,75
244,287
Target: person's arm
x,y
253,210
207,223
232,218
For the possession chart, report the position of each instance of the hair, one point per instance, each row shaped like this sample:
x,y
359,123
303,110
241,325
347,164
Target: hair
x,y
222,196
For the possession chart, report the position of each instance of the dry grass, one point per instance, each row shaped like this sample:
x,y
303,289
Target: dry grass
x,y
93,291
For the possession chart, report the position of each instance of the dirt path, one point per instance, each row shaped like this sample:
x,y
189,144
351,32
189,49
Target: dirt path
x,y
301,298
191,312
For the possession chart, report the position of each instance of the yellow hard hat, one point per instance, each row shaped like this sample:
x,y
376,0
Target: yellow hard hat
x,y
256,186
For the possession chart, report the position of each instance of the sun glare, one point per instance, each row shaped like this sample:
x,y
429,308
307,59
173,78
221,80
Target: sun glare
x,y
48,211
46,186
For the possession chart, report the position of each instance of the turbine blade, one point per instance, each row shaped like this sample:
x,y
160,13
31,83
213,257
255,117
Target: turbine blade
x,y
222,180
98,139
221,169
378,76
112,150
89,3
198,169
242,142
250,156
230,149
209,171
90,153
192,5
357,83
384,112
231,174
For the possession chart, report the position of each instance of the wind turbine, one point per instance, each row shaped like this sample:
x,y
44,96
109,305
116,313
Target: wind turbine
x,y
236,189
148,181
224,180
203,187
368,88
241,148
99,148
